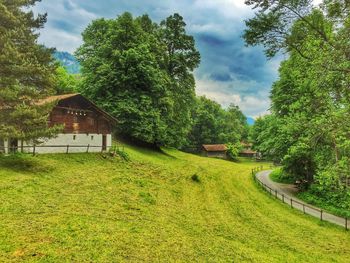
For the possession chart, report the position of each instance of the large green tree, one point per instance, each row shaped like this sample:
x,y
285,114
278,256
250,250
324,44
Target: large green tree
x,y
141,73
26,73
181,58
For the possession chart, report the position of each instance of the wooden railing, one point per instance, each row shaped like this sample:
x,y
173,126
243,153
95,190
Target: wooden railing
x,y
306,209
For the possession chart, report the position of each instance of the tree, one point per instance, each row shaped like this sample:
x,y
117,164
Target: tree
x,y
235,125
310,101
214,125
141,72
180,59
66,83
122,73
26,73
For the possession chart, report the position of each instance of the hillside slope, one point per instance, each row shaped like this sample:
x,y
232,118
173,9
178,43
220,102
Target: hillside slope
x,y
87,208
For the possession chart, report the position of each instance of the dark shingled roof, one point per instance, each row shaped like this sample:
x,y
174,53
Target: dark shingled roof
x,y
215,147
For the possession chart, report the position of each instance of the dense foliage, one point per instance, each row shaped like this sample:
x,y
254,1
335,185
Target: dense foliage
x,y
212,124
142,73
26,73
65,82
309,129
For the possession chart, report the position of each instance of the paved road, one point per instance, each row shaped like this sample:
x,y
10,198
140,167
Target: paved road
x,y
286,192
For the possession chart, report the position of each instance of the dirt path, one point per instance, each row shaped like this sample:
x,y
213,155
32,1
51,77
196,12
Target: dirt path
x,y
286,192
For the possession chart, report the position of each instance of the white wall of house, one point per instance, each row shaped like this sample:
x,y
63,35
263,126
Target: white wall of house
x,y
81,140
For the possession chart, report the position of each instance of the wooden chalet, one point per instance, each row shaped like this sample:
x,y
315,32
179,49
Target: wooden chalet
x,y
86,127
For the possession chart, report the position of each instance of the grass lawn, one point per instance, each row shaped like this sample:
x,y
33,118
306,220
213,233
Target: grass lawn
x,y
86,208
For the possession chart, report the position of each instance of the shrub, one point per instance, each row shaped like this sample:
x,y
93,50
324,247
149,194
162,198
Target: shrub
x,y
233,150
195,178
116,150
279,176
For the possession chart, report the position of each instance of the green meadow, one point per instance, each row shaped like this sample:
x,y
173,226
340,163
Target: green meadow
x,y
157,207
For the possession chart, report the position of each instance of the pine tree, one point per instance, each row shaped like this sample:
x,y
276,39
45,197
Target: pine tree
x,y
26,73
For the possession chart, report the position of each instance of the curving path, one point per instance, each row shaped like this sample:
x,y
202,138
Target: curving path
x,y
286,192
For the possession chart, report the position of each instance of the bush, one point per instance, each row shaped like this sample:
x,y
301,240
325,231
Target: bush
x,y
299,162
195,178
233,150
116,150
279,176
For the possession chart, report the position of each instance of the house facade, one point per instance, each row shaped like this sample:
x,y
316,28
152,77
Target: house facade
x,y
215,150
86,127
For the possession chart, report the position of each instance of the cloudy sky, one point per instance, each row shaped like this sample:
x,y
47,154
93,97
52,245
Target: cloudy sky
x,y
229,71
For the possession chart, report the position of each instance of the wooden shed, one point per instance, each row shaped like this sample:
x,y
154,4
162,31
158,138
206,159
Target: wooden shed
x,y
247,150
215,150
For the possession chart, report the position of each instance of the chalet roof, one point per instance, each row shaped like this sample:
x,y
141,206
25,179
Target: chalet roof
x,y
215,147
58,98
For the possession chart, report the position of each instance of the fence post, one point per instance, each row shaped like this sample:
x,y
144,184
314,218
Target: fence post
x,y
321,215
346,223
67,149
276,193
291,203
283,198
304,208
34,150
88,147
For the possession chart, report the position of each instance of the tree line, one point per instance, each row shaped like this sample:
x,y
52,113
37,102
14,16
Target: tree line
x,y
308,130
138,70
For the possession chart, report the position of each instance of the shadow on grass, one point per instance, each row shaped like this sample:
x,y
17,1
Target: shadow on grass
x,y
144,147
26,164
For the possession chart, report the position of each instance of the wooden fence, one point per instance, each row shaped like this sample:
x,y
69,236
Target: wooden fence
x,y
307,209
32,149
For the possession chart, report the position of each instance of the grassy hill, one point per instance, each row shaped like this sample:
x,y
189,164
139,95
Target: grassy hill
x,y
87,208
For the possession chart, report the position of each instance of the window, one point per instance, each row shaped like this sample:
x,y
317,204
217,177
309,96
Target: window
x,y
74,137
75,119
92,138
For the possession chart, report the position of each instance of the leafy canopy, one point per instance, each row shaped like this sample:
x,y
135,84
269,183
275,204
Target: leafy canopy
x,y
141,72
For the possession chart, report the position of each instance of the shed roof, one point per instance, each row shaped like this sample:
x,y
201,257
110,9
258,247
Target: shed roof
x,y
215,147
